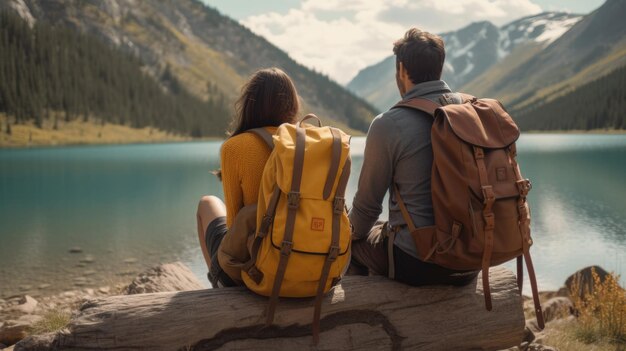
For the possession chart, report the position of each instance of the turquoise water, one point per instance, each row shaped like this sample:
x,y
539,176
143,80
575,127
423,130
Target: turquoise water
x,y
129,207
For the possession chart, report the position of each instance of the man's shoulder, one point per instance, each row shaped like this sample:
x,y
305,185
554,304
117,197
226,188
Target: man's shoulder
x,y
401,115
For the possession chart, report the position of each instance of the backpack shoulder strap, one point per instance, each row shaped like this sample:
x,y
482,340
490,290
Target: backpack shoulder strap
x,y
466,97
263,134
421,104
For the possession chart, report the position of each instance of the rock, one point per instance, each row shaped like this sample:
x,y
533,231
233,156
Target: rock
x,y
89,272
43,286
584,280
563,292
30,318
130,260
531,324
529,336
557,307
104,289
126,273
25,287
75,249
89,291
26,305
15,330
87,259
540,347
80,281
167,277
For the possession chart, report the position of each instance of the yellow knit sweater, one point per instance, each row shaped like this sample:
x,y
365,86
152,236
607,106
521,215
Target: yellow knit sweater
x,y
243,159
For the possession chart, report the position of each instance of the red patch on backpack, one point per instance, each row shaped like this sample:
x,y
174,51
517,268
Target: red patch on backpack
x,y
317,224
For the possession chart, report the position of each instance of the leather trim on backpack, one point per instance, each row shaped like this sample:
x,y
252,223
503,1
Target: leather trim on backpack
x,y
292,207
263,134
333,251
334,163
250,266
421,104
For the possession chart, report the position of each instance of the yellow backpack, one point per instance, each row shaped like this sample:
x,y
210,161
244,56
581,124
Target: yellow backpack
x,y
302,244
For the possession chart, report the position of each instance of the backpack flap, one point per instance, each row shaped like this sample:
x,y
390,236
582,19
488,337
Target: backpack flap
x,y
482,122
317,160
485,124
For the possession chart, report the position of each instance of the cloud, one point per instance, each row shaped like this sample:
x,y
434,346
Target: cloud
x,y
341,37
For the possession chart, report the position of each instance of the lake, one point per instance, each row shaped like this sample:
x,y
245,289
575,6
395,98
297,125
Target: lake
x,y
129,207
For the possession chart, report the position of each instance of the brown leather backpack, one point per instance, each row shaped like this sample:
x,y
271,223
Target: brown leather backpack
x,y
482,218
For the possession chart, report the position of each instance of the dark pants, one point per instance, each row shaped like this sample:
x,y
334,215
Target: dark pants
x,y
373,258
215,232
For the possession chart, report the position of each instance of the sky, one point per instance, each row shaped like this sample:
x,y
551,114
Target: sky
x,y
341,37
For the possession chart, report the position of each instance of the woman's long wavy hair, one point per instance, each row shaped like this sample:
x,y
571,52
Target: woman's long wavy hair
x,y
269,98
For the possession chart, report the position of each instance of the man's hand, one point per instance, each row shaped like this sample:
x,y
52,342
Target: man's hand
x,y
376,237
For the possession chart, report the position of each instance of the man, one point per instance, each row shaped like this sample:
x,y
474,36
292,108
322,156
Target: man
x,y
398,152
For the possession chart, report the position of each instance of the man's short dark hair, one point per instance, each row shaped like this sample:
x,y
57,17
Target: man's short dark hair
x,y
422,54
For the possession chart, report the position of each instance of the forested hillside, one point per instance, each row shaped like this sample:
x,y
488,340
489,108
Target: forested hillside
x,y
201,48
596,105
50,69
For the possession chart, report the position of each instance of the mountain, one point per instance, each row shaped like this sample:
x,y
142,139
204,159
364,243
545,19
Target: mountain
x,y
599,104
470,51
207,53
56,74
592,48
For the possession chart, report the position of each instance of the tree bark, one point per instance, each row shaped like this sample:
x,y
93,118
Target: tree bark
x,y
366,313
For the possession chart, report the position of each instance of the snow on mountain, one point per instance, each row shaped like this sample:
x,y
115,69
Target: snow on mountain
x,y
473,49
543,28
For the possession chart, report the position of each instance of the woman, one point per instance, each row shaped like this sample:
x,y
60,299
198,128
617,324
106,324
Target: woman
x,y
268,100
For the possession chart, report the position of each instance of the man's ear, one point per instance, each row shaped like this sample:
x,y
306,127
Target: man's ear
x,y
402,78
403,72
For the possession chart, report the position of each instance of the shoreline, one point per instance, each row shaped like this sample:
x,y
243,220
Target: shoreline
x,y
120,143
175,139
579,131
77,133
58,133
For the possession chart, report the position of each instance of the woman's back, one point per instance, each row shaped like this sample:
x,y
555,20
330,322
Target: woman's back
x,y
243,158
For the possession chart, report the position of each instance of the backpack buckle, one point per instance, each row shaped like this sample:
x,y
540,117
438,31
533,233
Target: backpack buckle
x,y
479,153
333,253
338,205
488,194
524,186
255,274
266,222
490,221
285,248
293,199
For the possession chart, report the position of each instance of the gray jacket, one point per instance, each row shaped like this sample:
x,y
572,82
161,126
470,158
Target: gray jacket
x,y
398,150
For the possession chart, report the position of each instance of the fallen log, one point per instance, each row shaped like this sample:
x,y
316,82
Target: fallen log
x,y
369,313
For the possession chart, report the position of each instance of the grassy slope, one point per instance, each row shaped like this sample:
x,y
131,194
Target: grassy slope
x,y
79,132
